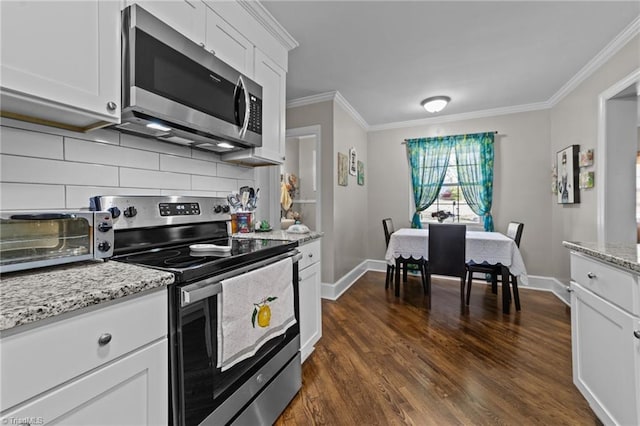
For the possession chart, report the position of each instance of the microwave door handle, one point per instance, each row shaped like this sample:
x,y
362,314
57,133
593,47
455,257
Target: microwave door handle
x,y
247,105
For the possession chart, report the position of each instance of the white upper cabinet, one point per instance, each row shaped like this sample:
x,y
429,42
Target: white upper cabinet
x,y
61,62
228,44
186,17
273,80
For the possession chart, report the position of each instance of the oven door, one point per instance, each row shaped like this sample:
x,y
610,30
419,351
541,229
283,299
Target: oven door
x,y
203,393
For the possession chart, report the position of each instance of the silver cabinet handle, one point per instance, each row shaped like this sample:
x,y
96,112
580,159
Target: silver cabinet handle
x,y
111,106
637,334
213,52
104,339
202,45
591,275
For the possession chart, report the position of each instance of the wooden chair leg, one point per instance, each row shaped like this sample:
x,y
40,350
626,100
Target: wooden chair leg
x,y
494,283
469,287
462,282
389,277
423,275
428,288
516,295
404,272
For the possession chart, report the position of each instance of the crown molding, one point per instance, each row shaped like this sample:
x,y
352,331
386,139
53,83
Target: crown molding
x,y
334,96
464,116
632,30
266,19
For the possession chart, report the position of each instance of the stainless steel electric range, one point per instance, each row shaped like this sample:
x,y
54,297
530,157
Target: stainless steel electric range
x,y
190,236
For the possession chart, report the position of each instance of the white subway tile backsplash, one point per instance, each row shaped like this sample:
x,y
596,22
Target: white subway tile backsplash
x,y
93,152
218,184
205,155
137,178
78,196
154,145
236,172
24,196
31,144
192,193
45,168
171,163
38,170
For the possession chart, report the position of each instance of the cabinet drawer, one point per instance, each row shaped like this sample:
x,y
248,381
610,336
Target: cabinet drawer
x,y
38,359
612,284
310,254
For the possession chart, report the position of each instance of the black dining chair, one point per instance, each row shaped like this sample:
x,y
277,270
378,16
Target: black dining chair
x,y
514,231
447,251
402,263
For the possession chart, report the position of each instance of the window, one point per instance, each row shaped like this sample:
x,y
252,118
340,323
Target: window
x,y
450,205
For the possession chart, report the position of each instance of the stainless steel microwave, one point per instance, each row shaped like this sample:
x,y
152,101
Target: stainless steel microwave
x,y
177,91
36,239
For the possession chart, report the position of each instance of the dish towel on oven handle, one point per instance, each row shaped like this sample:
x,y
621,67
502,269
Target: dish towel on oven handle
x,y
252,309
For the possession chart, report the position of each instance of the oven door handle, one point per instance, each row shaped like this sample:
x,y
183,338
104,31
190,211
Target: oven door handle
x,y
211,286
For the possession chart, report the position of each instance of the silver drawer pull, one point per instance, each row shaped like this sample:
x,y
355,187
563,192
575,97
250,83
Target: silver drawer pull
x,y
637,334
591,275
104,339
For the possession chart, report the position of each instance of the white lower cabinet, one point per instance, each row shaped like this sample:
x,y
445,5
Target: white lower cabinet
x,y
310,298
130,391
605,340
107,365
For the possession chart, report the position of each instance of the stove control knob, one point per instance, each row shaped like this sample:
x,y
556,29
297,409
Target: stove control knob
x,y
225,209
104,246
130,211
115,212
104,226
217,209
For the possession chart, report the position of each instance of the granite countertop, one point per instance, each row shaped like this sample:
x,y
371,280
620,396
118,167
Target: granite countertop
x,y
622,255
29,296
280,235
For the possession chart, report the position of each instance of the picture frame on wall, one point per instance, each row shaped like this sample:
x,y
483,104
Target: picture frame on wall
x,y
568,175
343,165
360,173
586,158
353,170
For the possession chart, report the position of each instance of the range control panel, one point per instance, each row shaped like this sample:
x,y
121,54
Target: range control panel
x,y
140,211
179,209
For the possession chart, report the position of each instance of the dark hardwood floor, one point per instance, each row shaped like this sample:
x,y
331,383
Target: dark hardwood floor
x,y
389,361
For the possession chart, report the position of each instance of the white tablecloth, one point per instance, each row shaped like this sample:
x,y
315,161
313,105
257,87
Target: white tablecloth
x,y
490,247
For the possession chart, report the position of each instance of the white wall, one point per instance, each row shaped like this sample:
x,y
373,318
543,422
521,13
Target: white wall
x,y
48,168
522,179
574,120
350,206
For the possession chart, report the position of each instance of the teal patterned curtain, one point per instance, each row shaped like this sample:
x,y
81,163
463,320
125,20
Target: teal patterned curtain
x,y
428,158
474,155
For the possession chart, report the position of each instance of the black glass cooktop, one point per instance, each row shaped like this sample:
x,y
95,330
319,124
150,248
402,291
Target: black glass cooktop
x,y
190,264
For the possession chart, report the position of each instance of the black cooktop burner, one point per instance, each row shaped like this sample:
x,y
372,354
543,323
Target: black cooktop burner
x,y
189,265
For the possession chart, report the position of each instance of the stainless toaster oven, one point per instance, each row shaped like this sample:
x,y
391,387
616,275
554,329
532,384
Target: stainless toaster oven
x,y
36,239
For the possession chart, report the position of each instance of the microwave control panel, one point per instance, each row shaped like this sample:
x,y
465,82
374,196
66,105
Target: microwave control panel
x,y
255,114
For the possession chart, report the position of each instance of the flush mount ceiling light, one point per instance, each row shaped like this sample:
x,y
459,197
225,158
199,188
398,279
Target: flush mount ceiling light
x,y
435,103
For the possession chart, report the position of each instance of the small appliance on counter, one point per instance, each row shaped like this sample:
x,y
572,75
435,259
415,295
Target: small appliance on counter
x,y
35,239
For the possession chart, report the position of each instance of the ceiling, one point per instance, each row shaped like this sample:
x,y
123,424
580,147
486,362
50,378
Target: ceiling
x,y
384,57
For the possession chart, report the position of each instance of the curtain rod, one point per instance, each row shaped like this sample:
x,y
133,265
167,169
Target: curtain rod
x,y
449,136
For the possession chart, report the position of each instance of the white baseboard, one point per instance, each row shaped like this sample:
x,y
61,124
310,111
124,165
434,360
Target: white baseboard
x,y
536,282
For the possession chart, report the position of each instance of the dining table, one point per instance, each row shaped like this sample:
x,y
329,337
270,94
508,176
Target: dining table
x,y
493,248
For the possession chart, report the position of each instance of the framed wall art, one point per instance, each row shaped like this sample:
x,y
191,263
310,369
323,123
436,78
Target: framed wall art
x,y
360,173
586,179
568,172
343,166
353,170
586,158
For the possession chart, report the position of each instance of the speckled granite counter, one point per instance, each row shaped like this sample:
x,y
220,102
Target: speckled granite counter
x,y
280,235
622,255
30,296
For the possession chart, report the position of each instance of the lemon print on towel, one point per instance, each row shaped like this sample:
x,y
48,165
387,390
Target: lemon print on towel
x,y
263,312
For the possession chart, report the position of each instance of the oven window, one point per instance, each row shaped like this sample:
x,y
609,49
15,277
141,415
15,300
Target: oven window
x,y
170,74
